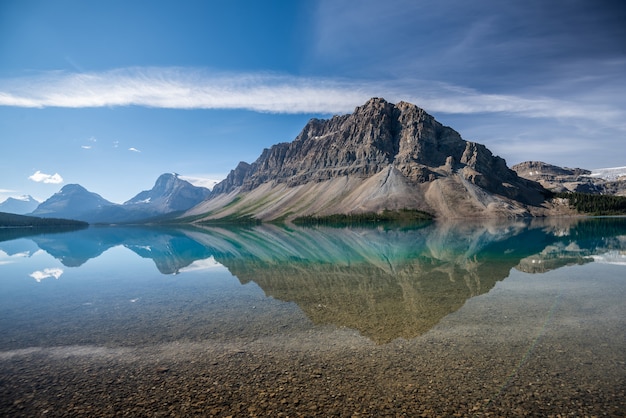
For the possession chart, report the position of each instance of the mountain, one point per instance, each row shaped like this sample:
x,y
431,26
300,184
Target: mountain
x,y
73,201
562,179
382,156
612,173
20,205
170,194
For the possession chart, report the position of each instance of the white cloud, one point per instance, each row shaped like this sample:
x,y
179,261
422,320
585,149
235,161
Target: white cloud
x,y
40,177
86,146
208,181
39,275
133,149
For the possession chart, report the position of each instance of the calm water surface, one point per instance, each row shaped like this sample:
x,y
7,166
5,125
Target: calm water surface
x,y
497,319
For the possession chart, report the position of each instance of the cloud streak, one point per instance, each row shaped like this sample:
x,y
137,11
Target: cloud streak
x,y
40,177
183,88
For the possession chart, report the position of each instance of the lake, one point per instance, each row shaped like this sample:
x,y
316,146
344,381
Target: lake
x,y
501,318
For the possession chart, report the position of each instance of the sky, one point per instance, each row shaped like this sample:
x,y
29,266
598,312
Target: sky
x,y
111,94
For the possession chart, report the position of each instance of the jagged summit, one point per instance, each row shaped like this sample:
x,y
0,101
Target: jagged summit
x,y
376,135
345,162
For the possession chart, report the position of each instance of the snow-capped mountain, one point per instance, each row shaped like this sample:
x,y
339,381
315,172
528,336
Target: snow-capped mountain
x,y
563,179
610,174
19,205
170,194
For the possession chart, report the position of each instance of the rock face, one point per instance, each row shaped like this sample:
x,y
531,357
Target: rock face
x,y
382,156
563,179
234,179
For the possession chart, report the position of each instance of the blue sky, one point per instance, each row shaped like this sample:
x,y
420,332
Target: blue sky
x,y
111,94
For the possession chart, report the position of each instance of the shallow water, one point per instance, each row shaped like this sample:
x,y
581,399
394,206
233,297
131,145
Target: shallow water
x,y
497,319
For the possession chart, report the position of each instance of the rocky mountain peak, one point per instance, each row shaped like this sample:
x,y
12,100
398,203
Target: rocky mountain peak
x,y
166,183
170,193
381,156
376,135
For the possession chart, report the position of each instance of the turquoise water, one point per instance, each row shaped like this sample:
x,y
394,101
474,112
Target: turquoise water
x,y
449,302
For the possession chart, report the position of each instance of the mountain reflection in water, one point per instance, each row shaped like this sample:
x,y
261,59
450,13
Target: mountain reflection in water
x,y
385,283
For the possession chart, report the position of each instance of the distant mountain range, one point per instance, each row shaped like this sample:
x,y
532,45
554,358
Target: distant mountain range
x,y
169,195
384,156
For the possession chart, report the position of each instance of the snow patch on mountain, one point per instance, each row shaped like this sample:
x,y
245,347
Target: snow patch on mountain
x,y
611,174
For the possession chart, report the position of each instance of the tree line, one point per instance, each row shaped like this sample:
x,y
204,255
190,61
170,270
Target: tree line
x,y
11,220
595,204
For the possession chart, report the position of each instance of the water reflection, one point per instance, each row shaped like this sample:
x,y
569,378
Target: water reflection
x,y
39,275
386,284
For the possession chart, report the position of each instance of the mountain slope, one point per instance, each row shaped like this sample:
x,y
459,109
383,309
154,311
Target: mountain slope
x,y
382,156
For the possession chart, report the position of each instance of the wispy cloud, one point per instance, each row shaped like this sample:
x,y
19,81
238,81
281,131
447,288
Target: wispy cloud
x,y
86,146
177,88
133,149
40,177
180,88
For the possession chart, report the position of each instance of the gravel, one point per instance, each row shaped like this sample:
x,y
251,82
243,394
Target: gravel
x,y
320,372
